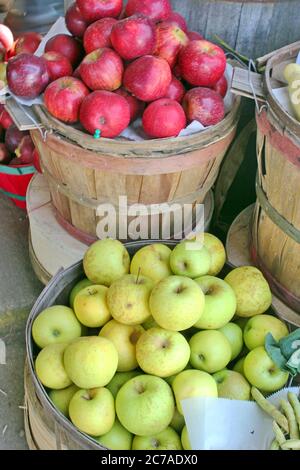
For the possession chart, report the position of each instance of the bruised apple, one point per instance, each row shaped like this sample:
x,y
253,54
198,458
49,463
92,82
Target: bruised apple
x,y
63,98
102,70
164,118
27,75
66,45
93,10
98,34
57,65
202,63
221,86
76,24
176,90
136,106
156,10
133,37
204,105
105,111
170,39
148,78
28,43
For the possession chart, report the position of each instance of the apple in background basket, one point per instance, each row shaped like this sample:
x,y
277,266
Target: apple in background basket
x,y
5,119
176,90
102,70
136,106
204,105
170,39
93,10
5,156
164,118
75,22
221,86
13,138
179,20
98,34
118,438
156,10
58,65
49,367
66,45
148,78
202,63
194,36
105,111
90,306
120,379
27,75
63,98
61,398
25,150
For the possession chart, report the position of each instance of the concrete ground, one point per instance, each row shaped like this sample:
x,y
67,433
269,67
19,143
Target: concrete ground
x,y
19,289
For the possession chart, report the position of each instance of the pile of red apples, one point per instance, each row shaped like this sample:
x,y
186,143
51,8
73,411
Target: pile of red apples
x,y
123,63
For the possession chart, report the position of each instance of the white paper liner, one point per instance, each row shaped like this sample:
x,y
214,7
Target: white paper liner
x,y
221,424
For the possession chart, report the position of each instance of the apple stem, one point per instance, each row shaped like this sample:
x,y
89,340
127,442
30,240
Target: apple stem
x,y
97,134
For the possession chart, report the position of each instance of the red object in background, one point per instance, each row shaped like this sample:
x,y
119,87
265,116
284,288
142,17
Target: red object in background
x,y
66,45
179,20
74,21
156,10
14,181
5,119
93,10
98,34
58,65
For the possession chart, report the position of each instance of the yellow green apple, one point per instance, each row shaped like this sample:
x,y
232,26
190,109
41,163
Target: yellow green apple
x,y
210,351
91,308
259,326
91,362
145,405
128,299
120,379
234,334
124,337
76,289
93,411
118,438
177,303
162,352
217,252
178,421
239,366
165,440
220,303
49,367
232,385
191,259
57,324
61,398
251,289
106,261
152,261
193,383
185,439
262,373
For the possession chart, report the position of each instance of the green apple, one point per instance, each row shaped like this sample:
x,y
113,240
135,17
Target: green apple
x,y
152,261
118,438
217,252
178,421
191,259
145,405
258,327
150,323
251,289
210,351
124,337
177,303
220,303
234,334
50,368
106,261
165,440
57,324
162,352
79,287
128,299
61,398
91,307
232,385
120,379
91,362
262,373
193,383
239,366
171,379
93,411
185,440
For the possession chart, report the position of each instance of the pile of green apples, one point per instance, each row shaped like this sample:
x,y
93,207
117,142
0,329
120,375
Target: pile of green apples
x,y
142,335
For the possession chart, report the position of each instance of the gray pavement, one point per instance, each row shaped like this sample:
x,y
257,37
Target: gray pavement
x,y
18,290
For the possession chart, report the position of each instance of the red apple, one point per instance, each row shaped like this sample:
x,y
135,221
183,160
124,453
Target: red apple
x,y
25,151
27,75
13,138
75,22
148,78
204,105
67,46
179,20
133,37
156,10
5,119
170,39
136,106
63,98
194,36
76,73
97,34
28,43
176,90
58,65
37,161
164,118
102,70
221,86
5,156
177,72
106,112
6,38
202,63
93,10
